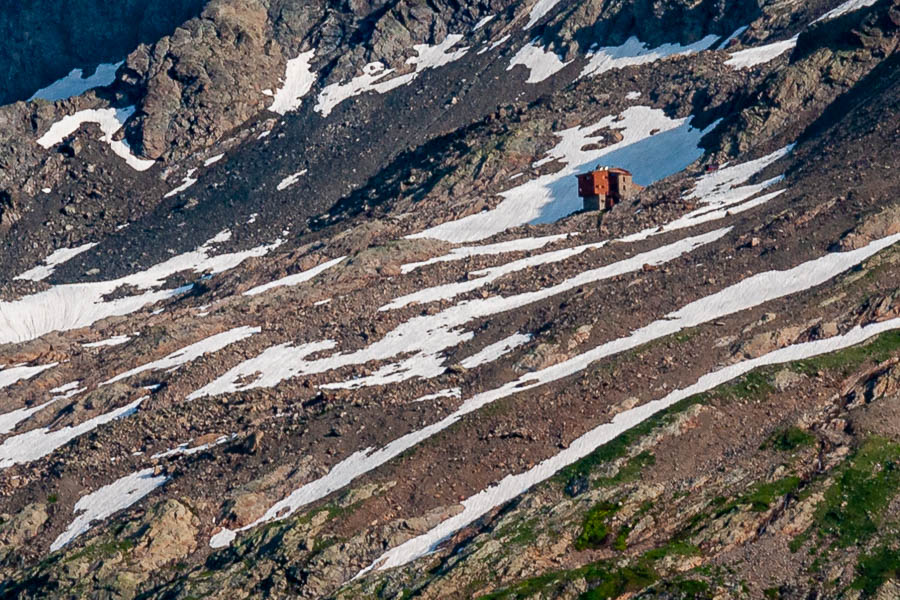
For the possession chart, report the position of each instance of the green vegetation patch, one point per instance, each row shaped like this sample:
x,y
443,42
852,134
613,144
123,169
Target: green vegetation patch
x,y
874,569
618,447
787,440
630,470
604,579
862,490
101,550
764,494
673,548
524,534
755,384
760,496
595,530
683,589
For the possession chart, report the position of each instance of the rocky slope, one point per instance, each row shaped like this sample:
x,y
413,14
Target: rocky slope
x,y
300,303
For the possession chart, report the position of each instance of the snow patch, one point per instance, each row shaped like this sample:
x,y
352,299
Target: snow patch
x,y
290,180
186,182
58,257
482,22
518,245
298,80
483,277
635,52
75,83
540,63
106,501
843,9
213,160
496,350
671,147
719,194
539,11
185,449
447,393
494,45
110,120
74,305
372,79
9,420
737,32
14,374
744,59
37,443
113,341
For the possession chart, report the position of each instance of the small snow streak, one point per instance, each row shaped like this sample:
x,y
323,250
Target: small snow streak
x,y
494,351
187,354
482,22
185,184
296,278
113,341
290,180
58,257
750,57
539,11
843,9
213,160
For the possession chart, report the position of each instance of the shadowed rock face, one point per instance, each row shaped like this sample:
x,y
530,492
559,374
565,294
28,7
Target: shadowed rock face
x,y
41,41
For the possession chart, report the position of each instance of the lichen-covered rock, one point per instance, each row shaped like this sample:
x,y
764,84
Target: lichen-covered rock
x,y
170,533
21,527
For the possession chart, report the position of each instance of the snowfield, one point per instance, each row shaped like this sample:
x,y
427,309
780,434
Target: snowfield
x,y
513,485
670,148
423,338
748,293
